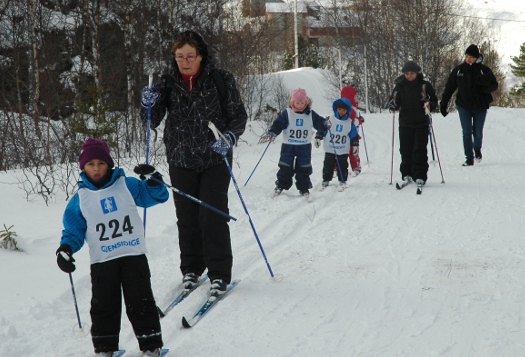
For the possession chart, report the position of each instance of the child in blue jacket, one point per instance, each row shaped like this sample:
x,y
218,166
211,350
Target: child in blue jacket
x,y
337,143
296,123
103,213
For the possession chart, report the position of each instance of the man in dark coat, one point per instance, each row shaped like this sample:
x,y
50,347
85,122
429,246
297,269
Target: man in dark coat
x,y
193,95
474,82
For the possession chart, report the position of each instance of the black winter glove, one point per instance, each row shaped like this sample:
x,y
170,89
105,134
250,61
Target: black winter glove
x,y
65,258
146,171
392,107
443,110
318,139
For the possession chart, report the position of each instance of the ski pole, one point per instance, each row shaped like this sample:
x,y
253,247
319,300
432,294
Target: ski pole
x,y
437,153
364,142
427,113
75,300
216,133
191,197
426,99
431,143
148,133
393,101
264,152
393,135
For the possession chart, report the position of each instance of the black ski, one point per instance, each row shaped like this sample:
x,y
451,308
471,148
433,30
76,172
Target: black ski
x,y
403,184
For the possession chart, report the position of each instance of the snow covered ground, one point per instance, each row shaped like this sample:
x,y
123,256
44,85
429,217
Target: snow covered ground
x,y
371,271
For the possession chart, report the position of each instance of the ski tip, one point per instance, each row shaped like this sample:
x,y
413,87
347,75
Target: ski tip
x,y
164,352
397,186
161,313
185,322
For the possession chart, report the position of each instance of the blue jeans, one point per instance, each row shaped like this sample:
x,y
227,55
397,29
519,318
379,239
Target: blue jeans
x,y
472,122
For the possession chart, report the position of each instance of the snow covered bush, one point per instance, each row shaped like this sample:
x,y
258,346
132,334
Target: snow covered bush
x,y
6,239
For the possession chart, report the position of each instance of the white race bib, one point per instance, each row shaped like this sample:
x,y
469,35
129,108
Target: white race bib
x,y
339,140
114,227
300,128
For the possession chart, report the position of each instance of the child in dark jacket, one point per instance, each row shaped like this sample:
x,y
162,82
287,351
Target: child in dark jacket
x,y
297,123
413,96
103,213
337,143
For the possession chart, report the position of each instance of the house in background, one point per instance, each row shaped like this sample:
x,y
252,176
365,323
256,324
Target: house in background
x,y
320,25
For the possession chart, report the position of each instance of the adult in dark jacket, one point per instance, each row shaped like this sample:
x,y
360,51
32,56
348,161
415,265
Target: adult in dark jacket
x,y
412,96
474,82
190,95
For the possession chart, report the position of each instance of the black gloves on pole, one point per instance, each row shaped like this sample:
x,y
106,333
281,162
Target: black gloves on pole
x,y
146,172
65,258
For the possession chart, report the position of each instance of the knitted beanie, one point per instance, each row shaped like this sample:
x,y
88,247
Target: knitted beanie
x,y
411,66
95,149
299,95
473,51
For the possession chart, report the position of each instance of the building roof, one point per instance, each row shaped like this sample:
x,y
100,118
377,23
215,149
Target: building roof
x,y
281,8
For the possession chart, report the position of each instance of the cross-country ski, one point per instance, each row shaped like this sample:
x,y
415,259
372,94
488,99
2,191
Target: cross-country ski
x,y
206,307
183,294
120,353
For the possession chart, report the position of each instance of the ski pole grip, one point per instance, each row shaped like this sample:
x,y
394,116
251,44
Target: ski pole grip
x,y
214,130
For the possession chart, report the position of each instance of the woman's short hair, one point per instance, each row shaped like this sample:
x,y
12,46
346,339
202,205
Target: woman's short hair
x,y
193,39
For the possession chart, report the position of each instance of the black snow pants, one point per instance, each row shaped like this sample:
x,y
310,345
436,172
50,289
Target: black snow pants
x,y
129,276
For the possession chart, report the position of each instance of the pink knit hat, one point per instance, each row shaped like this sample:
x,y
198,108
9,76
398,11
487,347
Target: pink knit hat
x,y
95,149
299,95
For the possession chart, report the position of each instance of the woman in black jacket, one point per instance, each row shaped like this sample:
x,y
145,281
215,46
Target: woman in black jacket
x,y
193,94
412,95
474,82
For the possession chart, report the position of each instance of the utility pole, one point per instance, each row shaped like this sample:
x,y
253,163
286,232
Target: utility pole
x,y
340,68
296,55
366,82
